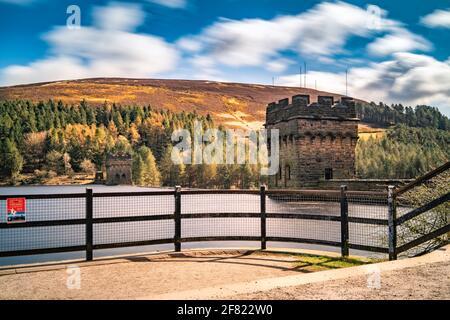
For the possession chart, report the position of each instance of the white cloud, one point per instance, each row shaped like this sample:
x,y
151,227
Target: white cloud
x,y
171,3
437,19
202,62
401,40
325,29
321,33
109,49
408,78
190,45
118,16
278,65
57,68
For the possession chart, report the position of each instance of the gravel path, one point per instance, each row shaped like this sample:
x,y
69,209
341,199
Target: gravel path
x,y
148,276
430,281
227,275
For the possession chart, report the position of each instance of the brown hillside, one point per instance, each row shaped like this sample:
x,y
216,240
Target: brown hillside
x,y
230,104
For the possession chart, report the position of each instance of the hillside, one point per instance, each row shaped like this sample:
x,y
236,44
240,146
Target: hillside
x,y
230,104
367,131
48,140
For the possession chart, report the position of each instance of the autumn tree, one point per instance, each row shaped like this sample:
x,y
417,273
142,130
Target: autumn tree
x,y
147,172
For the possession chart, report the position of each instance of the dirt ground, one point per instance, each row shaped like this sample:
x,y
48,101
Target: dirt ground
x,y
148,275
210,274
430,281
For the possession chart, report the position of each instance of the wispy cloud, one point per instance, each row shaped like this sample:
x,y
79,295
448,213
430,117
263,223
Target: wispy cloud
x,y
320,33
107,49
407,77
437,19
400,40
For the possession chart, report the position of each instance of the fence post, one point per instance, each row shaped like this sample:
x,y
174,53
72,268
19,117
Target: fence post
x,y
344,222
89,225
263,217
177,238
392,221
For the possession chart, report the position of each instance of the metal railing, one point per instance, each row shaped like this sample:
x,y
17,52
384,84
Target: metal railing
x,y
95,221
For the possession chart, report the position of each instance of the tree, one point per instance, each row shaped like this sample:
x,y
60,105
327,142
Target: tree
x,y
122,146
138,170
206,175
148,173
34,150
171,174
11,160
404,152
87,167
245,176
112,128
67,165
55,162
134,135
224,176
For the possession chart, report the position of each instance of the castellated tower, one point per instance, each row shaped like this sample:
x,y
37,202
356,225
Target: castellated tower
x,y
317,140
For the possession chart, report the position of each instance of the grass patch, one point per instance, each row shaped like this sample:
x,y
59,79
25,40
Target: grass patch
x,y
311,263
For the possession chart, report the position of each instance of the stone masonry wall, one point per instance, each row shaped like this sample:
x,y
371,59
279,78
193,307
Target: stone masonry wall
x,y
118,171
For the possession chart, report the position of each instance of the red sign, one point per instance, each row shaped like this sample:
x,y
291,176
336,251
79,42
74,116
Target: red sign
x,y
16,204
15,208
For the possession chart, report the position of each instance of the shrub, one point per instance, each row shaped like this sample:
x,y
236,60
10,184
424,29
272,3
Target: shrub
x,y
87,167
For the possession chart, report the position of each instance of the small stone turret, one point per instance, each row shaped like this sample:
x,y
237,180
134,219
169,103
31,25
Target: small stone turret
x,y
118,169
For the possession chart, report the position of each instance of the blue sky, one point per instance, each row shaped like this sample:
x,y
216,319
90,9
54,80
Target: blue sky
x,y
393,53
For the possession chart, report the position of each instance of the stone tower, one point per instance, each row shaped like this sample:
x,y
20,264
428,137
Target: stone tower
x,y
118,169
317,140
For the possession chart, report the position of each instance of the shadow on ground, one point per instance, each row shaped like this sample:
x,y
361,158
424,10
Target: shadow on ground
x,y
294,262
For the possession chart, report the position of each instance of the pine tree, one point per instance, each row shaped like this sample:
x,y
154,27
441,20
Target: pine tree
x,y
150,174
55,162
138,170
11,160
224,176
171,174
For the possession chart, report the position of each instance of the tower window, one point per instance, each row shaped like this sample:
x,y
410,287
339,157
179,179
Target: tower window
x,y
328,173
287,173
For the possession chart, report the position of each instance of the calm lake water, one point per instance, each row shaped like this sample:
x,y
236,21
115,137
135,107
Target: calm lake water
x,y
60,209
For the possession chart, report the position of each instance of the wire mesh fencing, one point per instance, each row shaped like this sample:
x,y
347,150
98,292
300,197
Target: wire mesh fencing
x,y
226,215
235,228
50,223
120,220
368,220
310,217
424,210
94,221
200,202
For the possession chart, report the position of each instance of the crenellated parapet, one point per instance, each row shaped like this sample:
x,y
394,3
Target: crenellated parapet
x,y
301,107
